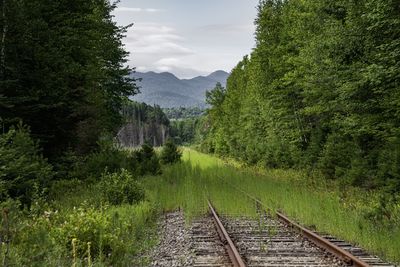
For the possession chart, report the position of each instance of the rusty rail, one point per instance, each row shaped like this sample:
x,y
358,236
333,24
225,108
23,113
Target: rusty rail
x,y
313,237
324,243
233,253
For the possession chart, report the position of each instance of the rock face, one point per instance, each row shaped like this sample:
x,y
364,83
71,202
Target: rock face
x,y
134,134
144,123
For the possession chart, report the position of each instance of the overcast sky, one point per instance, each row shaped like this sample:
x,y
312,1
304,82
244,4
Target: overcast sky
x,y
187,37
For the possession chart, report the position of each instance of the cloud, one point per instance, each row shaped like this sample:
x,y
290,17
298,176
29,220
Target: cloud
x,y
142,69
153,38
136,9
153,10
158,47
181,67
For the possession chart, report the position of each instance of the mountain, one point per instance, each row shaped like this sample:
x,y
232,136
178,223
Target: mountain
x,y
167,90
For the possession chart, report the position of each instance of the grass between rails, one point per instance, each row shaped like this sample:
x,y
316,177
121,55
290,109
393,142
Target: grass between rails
x,y
319,204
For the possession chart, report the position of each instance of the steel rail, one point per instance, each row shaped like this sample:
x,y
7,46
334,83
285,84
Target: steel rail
x,y
313,237
233,253
324,243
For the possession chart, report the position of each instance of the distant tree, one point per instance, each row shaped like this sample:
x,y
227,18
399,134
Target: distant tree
x,y
170,153
216,96
148,160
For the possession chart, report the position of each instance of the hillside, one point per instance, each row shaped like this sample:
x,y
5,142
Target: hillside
x,y
166,90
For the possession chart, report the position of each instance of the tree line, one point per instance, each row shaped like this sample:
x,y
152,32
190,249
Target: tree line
x,y
63,85
321,90
62,71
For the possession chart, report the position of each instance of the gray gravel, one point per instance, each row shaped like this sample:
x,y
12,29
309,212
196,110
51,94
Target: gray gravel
x,y
174,248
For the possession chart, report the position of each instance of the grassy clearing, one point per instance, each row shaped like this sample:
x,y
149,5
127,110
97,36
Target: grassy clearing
x,y
320,205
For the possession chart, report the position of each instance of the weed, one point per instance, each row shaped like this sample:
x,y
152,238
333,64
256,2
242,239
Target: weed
x,y
311,201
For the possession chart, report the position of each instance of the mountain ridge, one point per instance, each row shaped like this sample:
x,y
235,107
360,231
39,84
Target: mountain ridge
x,y
167,90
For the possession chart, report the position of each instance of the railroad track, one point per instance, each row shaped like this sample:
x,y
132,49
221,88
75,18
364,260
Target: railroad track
x,y
208,247
270,240
277,241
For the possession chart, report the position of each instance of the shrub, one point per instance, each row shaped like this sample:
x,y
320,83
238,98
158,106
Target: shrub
x,y
170,153
147,160
81,226
21,166
118,188
108,158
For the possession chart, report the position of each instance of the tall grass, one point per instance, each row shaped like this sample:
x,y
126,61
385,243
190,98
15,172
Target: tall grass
x,y
315,203
79,224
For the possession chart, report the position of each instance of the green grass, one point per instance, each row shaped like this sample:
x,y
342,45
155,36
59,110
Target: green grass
x,y
43,236
316,203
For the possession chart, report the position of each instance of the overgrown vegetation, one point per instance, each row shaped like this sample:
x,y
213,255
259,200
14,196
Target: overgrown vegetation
x,y
98,213
323,205
69,195
319,93
170,153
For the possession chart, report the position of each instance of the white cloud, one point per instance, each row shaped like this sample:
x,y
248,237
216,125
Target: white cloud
x,y
154,46
181,66
152,10
128,9
151,38
136,9
142,68
168,61
164,68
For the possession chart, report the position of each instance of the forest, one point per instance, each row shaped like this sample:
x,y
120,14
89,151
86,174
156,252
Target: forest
x,y
308,122
320,91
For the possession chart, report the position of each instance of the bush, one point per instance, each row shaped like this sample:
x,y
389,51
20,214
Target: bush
x,y
22,167
118,188
83,225
170,153
147,160
108,158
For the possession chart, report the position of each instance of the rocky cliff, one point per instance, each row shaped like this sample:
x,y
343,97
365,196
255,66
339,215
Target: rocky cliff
x,y
143,123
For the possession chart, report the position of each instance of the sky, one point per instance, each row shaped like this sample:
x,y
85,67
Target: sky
x,y
187,37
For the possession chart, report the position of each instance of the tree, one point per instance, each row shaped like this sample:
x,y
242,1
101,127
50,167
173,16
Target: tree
x,y
216,96
320,90
148,160
170,153
62,71
24,169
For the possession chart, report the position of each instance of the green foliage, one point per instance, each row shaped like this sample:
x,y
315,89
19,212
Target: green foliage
x,y
22,166
366,218
170,153
62,71
86,224
185,131
320,91
120,188
143,113
216,96
183,113
109,157
52,237
148,160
